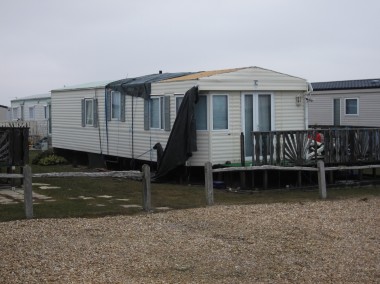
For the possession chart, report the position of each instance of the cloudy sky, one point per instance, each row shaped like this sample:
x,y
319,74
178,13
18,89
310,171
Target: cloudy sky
x,y
46,44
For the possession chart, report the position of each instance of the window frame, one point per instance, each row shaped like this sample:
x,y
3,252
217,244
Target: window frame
x,y
357,107
118,116
15,111
84,112
207,111
177,106
86,123
45,112
49,118
213,108
32,112
160,118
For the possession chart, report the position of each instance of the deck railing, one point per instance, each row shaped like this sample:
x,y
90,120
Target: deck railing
x,y
305,147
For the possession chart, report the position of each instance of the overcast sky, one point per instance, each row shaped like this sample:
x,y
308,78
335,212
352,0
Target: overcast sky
x,y
46,44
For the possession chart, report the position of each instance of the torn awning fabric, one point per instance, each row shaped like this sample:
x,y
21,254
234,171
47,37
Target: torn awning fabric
x,y
135,87
182,141
140,86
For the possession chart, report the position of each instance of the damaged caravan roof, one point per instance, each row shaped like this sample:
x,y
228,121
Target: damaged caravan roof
x,y
141,86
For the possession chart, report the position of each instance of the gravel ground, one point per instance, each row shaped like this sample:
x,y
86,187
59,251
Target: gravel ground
x,y
317,242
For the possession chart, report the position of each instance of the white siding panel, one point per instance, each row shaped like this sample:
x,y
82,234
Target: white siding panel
x,y
201,156
67,130
225,148
244,80
321,110
289,116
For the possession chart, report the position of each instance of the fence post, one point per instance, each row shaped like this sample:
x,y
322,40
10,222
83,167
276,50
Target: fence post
x,y
28,194
321,179
146,188
209,184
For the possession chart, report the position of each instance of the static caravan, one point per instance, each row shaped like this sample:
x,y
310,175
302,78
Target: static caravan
x,y
78,118
4,113
35,110
194,117
346,103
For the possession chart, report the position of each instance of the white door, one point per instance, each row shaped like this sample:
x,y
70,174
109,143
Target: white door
x,y
257,115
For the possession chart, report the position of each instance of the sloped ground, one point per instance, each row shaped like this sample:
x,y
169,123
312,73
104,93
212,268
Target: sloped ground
x,y
316,242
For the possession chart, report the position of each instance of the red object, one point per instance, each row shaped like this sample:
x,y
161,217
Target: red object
x,y
318,137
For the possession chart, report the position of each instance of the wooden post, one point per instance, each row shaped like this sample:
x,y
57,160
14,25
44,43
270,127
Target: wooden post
x,y
242,152
146,188
331,177
242,160
321,179
265,179
299,175
253,179
28,194
209,187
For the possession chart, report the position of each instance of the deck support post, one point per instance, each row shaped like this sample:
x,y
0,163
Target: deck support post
x,y
321,179
331,177
265,179
209,184
253,179
146,188
242,180
299,176
28,194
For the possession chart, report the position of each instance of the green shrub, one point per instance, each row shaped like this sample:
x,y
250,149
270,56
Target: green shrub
x,y
47,158
41,155
52,160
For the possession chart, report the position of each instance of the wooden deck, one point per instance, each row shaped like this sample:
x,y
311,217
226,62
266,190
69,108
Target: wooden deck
x,y
305,147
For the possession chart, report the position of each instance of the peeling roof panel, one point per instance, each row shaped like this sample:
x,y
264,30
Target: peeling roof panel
x,y
198,75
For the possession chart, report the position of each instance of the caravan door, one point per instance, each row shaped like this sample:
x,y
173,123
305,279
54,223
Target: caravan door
x,y
257,115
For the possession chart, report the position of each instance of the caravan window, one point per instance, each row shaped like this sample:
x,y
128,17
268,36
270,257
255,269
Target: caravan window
x,y
220,112
89,111
31,112
178,101
49,118
201,113
155,112
115,105
352,106
159,113
15,113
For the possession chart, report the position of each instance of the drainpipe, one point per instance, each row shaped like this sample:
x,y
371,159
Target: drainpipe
x,y
306,108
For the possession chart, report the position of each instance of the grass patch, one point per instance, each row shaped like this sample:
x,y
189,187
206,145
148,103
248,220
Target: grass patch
x,y
95,197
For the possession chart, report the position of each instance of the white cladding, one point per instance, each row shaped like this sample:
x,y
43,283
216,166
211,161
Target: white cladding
x,y
321,109
129,139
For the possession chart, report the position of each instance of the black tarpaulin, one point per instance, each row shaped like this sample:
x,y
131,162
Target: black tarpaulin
x,y
136,87
141,86
182,141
